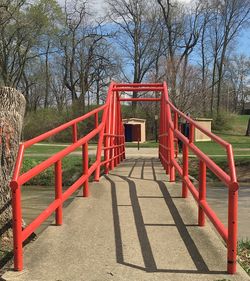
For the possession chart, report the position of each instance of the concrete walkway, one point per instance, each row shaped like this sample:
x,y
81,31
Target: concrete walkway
x,y
135,226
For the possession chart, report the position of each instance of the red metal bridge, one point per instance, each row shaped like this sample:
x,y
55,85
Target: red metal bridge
x,y
111,151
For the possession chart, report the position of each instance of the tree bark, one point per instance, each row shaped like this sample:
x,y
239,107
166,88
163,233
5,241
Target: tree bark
x,y
12,109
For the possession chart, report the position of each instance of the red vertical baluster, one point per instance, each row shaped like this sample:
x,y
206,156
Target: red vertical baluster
x,y
74,131
232,229
191,133
202,191
17,227
85,169
185,170
176,128
58,191
96,119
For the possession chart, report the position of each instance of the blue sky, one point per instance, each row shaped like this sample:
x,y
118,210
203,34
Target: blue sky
x,y
244,43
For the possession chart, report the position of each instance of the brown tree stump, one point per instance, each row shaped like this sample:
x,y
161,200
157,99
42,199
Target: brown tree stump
x,y
12,109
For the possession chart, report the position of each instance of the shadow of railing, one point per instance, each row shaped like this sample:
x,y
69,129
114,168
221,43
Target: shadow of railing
x,y
150,264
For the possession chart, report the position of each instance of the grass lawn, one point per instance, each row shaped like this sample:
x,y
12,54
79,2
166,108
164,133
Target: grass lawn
x,y
50,148
71,166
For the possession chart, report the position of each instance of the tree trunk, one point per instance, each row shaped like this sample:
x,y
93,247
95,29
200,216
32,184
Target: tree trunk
x,y
12,109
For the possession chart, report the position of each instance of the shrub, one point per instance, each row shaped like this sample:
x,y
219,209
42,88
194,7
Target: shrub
x,y
222,122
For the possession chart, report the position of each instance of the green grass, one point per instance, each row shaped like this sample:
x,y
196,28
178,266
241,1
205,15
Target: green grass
x,y
240,162
48,149
244,254
235,136
71,166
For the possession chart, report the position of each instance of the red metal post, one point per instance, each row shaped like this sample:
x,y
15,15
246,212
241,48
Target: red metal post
x,y
17,227
202,191
165,138
176,127
85,169
118,129
232,230
191,133
74,133
184,170
58,191
115,120
171,147
96,119
112,133
101,135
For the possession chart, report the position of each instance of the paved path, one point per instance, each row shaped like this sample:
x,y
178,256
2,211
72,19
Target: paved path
x,y
136,227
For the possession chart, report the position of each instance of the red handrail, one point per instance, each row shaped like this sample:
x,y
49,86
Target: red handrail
x,y
112,143
168,132
115,154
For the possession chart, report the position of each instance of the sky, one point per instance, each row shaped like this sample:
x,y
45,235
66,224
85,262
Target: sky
x,y
243,45
98,8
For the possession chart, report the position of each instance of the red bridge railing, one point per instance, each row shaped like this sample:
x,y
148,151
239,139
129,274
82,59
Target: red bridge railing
x,y
111,143
169,131
110,130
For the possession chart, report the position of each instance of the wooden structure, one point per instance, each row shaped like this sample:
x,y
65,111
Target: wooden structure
x,y
135,129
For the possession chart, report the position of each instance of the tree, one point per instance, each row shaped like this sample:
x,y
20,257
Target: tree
x,y
182,27
228,19
138,34
237,71
12,108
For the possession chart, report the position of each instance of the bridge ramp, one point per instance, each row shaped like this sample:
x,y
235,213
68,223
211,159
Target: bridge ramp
x,y
134,226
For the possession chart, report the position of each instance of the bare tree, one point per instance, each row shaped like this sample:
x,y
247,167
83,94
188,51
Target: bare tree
x,y
137,34
183,29
229,17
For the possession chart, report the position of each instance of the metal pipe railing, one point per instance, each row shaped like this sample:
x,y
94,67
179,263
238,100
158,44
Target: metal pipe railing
x,y
19,234
169,134
111,143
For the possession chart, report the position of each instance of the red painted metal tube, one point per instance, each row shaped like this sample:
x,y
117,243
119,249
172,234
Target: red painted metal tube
x,y
206,132
85,169
50,161
215,220
101,136
112,132
74,131
62,127
191,188
79,182
178,168
18,164
170,135
138,85
185,171
191,133
232,231
58,192
209,162
114,152
40,219
17,228
96,119
231,164
139,99
202,192
134,89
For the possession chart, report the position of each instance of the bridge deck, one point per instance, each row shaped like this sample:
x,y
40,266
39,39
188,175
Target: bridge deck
x,y
134,226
